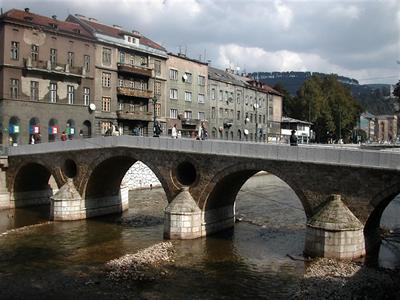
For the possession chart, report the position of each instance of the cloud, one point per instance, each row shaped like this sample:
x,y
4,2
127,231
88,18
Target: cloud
x,y
254,59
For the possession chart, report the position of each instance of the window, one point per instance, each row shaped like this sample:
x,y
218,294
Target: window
x,y
86,62
157,67
158,109
270,111
188,96
105,103
200,98
221,95
259,118
188,77
251,118
201,115
122,57
264,119
173,94
34,90
106,58
53,57
173,113
212,112
212,94
173,74
238,98
53,92
70,94
14,50
238,115
86,96
188,114
157,88
221,112
14,88
34,52
105,126
70,58
106,79
202,80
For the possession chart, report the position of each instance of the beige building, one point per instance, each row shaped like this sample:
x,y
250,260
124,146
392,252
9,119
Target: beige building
x,y
186,104
130,78
242,108
46,78
386,128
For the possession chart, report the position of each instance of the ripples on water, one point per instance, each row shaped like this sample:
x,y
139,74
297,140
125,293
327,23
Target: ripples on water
x,y
64,258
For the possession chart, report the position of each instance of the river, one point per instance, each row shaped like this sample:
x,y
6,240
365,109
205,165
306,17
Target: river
x,y
66,259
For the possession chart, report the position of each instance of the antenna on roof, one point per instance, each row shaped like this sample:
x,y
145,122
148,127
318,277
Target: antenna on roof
x,y
205,52
185,50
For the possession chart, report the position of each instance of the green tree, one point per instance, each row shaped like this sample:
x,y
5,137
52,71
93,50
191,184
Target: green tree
x,y
396,91
287,100
328,104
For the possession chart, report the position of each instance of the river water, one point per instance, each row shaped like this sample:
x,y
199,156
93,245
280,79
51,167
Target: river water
x,y
66,259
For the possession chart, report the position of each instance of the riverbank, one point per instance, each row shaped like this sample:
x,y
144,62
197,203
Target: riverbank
x,y
326,278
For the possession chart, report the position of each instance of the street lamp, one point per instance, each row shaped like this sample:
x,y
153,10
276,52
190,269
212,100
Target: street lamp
x,y
256,106
155,129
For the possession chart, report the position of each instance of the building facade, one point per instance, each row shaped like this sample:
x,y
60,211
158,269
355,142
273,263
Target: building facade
x,y
386,128
130,78
302,128
242,108
46,78
187,104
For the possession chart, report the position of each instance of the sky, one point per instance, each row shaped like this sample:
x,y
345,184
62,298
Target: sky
x,y
354,38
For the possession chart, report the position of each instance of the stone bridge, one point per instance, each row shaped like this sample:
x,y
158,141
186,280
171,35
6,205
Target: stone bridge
x,y
343,191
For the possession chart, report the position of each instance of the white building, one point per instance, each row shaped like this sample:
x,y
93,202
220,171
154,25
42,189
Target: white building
x,y
303,129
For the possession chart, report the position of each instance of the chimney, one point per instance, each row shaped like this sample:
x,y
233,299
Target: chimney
x,y
27,10
54,17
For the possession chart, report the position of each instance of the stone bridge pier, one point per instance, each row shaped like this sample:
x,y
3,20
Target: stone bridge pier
x,y
343,201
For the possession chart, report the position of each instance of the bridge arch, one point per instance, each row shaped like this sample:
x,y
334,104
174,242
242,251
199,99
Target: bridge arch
x,y
31,185
104,180
222,189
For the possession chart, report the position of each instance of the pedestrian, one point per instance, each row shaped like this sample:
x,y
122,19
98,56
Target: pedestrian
x,y
63,136
37,138
293,138
81,133
200,132
174,132
32,139
157,129
135,131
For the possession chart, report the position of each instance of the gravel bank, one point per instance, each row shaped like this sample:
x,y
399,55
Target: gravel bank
x,y
332,279
146,264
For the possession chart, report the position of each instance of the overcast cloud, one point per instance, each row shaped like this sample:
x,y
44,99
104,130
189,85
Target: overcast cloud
x,y
359,39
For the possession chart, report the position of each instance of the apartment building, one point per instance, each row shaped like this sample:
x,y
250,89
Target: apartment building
x,y
130,78
242,108
187,105
46,78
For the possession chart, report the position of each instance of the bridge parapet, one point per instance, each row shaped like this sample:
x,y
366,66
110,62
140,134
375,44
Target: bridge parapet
x,y
281,152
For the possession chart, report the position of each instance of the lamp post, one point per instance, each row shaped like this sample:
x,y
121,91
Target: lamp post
x,y
155,129
255,105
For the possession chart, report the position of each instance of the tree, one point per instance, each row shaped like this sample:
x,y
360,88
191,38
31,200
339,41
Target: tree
x,y
287,100
328,104
396,91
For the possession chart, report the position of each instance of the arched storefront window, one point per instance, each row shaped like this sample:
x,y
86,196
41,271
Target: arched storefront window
x,y
14,131
34,131
54,130
87,129
70,130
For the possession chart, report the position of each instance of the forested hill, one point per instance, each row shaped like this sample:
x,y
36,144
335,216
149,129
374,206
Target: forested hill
x,y
374,98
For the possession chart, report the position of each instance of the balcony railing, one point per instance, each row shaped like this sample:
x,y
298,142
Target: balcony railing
x,y
131,92
189,121
132,69
55,68
134,115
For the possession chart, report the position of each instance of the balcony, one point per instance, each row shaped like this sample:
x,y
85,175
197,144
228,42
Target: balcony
x,y
131,92
134,115
132,69
187,121
60,69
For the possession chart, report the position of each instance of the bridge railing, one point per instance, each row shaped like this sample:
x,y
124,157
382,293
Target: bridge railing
x,y
4,150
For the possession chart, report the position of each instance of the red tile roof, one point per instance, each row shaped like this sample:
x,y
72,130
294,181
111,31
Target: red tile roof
x,y
28,17
119,33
